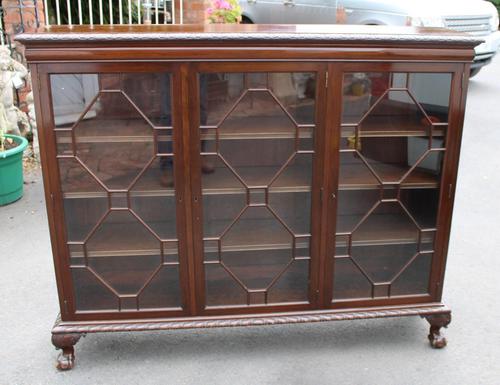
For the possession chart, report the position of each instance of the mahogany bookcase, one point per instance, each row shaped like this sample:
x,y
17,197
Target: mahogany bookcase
x,y
204,176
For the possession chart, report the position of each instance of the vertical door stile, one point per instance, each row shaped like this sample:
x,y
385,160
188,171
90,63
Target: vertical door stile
x,y
195,191
316,279
187,106
52,193
331,168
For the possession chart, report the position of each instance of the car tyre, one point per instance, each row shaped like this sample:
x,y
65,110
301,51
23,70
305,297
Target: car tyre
x,y
474,71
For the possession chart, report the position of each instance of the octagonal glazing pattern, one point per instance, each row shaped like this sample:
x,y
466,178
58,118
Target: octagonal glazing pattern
x,y
392,144
257,156
116,157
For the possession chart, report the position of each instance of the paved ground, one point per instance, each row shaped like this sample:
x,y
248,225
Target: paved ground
x,y
392,351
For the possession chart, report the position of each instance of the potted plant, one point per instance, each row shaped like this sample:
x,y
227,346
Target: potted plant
x,y
11,163
12,75
224,12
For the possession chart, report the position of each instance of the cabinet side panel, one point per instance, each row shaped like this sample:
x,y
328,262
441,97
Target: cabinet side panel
x,y
454,140
42,97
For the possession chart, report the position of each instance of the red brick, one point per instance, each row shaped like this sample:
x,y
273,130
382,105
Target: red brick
x,y
194,13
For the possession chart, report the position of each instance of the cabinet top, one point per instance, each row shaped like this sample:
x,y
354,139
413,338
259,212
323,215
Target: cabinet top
x,y
353,35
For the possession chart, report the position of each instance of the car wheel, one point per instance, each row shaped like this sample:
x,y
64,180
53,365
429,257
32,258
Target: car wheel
x,y
246,20
474,71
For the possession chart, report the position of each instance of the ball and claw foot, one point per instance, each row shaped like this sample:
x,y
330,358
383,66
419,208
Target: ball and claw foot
x,y
66,359
65,342
436,339
438,321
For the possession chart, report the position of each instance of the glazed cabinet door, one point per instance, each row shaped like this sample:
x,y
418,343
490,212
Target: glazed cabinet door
x,y
390,144
256,143
114,148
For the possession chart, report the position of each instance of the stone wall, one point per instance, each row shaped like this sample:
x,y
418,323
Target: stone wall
x,y
19,16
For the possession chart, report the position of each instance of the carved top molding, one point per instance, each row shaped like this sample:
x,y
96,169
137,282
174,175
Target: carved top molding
x,y
250,33
285,37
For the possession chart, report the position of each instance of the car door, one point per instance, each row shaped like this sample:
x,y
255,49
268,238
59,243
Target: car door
x,y
264,11
373,12
309,11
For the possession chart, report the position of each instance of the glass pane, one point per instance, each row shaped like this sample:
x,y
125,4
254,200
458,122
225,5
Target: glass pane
x,y
152,197
293,206
415,278
91,293
398,101
116,165
432,93
85,200
257,154
391,152
71,96
125,274
221,287
163,291
349,281
292,286
295,91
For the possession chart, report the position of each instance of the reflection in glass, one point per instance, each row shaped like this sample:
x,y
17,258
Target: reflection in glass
x,y
391,152
406,97
116,164
256,158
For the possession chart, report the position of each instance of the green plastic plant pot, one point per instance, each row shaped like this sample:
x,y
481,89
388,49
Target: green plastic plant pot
x,y
11,171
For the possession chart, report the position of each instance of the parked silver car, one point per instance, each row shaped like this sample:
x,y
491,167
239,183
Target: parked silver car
x,y
477,17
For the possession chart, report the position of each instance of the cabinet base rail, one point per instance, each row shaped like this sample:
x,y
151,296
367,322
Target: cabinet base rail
x,y
65,334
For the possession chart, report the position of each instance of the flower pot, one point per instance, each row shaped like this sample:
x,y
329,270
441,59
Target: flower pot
x,y
11,171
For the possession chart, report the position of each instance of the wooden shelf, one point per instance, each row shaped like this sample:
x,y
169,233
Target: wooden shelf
x,y
269,234
243,128
108,241
359,177
389,118
261,127
114,131
255,234
137,130
296,178
382,131
381,229
251,235
148,185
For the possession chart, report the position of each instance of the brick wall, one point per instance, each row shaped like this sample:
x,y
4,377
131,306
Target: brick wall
x,y
194,11
21,15
18,14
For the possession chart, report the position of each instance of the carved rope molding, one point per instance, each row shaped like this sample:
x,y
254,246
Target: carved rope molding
x,y
251,36
61,328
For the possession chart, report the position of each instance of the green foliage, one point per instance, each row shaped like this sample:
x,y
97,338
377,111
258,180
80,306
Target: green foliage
x,y
496,3
63,11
